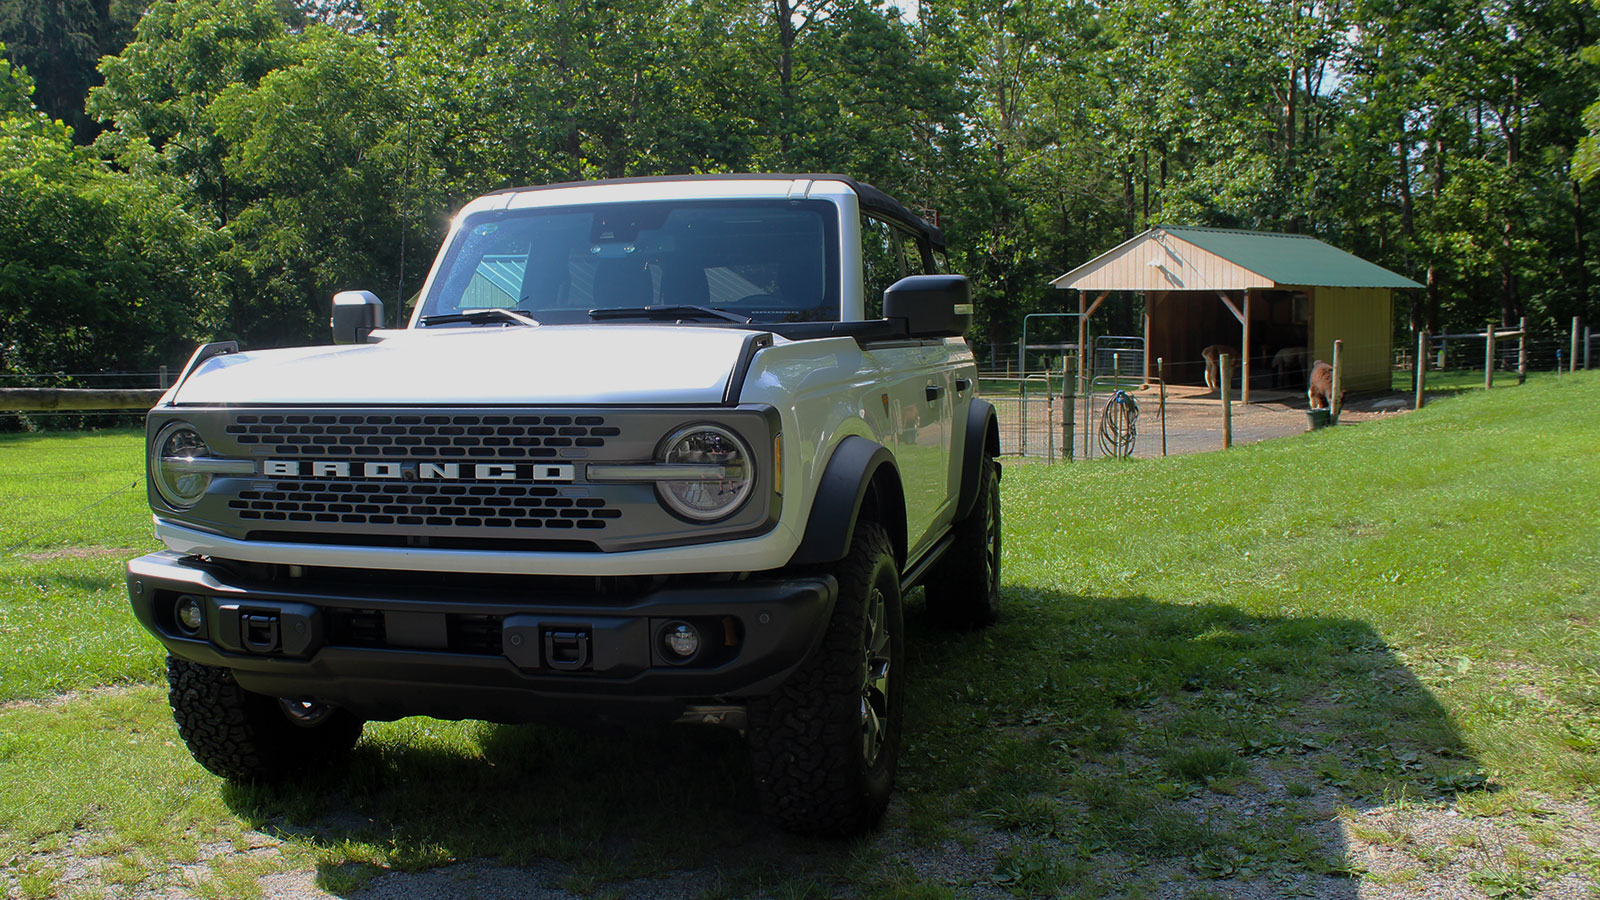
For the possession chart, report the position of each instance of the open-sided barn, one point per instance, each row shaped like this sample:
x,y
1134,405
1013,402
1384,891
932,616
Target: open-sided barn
x,y
1263,295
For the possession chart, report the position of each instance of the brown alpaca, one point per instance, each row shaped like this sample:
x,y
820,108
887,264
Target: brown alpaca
x,y
1210,355
1320,390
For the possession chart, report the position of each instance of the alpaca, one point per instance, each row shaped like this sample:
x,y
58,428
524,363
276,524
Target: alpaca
x,y
1319,393
1210,355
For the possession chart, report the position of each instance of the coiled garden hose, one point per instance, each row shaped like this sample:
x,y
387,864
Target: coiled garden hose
x,y
1119,425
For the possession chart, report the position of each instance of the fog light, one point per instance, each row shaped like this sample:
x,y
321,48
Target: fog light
x,y
189,614
681,639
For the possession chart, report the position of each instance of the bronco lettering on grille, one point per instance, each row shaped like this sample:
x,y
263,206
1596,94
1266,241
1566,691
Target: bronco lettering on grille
x,y
410,471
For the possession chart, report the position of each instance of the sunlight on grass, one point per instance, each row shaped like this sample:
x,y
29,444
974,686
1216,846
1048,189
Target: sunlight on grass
x,y
1393,613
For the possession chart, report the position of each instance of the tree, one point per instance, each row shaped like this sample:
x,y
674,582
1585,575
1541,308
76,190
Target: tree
x,y
100,270
60,43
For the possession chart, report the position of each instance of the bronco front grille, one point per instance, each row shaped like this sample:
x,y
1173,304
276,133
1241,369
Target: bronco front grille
x,y
476,505
420,436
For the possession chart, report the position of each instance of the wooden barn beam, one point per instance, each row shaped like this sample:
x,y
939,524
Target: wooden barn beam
x,y
1226,301
1083,327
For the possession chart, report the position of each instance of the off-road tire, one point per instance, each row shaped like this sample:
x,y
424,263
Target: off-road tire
x,y
809,740
249,737
963,589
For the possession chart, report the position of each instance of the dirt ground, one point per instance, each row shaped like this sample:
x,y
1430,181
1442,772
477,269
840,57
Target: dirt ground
x,y
1194,420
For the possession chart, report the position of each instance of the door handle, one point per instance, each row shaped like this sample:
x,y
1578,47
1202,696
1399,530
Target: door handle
x,y
962,384
933,391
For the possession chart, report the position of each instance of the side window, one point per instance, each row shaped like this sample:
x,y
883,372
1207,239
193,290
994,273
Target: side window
x,y
888,254
941,265
910,252
882,262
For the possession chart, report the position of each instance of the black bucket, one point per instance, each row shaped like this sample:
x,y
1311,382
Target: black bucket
x,y
1319,418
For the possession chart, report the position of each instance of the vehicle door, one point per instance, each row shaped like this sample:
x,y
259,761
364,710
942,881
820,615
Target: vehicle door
x,y
918,402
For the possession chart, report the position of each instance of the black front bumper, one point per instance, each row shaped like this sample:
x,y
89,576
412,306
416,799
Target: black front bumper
x,y
503,654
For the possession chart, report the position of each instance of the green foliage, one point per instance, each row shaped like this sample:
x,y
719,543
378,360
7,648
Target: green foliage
x,y
305,148
60,42
101,270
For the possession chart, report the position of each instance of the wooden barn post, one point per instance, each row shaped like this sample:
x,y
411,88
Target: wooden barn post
x,y
1083,331
1244,352
1225,363
1147,302
1336,402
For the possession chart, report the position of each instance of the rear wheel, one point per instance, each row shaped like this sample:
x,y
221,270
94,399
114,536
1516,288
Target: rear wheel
x,y
244,736
824,746
963,589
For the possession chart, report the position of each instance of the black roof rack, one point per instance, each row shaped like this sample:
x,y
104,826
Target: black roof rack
x,y
870,197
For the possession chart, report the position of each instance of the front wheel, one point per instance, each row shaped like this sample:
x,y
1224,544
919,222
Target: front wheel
x,y
963,589
244,736
824,745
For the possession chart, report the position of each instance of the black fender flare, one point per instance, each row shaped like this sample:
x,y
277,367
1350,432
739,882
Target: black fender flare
x,y
840,493
982,439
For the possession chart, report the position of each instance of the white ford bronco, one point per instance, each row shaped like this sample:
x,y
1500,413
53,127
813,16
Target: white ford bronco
x,y
660,449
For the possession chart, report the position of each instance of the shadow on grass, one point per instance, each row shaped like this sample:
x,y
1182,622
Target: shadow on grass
x,y
1124,740
1088,744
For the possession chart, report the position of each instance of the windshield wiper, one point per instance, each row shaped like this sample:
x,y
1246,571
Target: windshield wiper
x,y
667,312
476,316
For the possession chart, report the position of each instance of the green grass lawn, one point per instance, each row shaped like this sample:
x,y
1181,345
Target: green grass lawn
x,y
1202,662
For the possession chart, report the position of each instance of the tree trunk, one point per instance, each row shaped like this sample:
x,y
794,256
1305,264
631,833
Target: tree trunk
x,y
1129,209
1435,276
1579,226
1408,220
784,11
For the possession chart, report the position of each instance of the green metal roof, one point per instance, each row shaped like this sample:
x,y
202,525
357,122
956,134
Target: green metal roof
x,y
1290,258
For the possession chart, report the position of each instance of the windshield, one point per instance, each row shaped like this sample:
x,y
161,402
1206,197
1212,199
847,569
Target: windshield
x,y
768,260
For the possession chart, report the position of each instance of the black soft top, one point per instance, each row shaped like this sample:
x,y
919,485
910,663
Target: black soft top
x,y
870,197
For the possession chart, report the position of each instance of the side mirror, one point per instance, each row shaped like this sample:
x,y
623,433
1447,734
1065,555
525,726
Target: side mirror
x,y
931,305
355,315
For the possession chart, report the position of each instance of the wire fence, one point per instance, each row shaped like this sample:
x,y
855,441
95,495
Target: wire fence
x,y
1464,361
1060,416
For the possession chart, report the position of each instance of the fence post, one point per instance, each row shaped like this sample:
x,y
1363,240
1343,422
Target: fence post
x,y
1069,399
1049,419
1422,367
1336,402
1588,338
1022,416
1572,361
1522,350
163,378
1225,364
1488,357
1161,376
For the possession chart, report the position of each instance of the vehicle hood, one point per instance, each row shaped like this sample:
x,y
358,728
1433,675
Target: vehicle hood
x,y
550,364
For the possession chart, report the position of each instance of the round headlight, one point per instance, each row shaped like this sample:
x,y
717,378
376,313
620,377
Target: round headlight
x,y
705,499
176,446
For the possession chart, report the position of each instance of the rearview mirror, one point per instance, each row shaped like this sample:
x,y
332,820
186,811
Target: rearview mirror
x,y
931,305
355,315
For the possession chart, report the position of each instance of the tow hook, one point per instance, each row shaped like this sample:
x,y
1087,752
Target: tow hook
x,y
566,649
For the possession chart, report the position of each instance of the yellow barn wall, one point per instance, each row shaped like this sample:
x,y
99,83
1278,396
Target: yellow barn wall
x,y
1363,320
